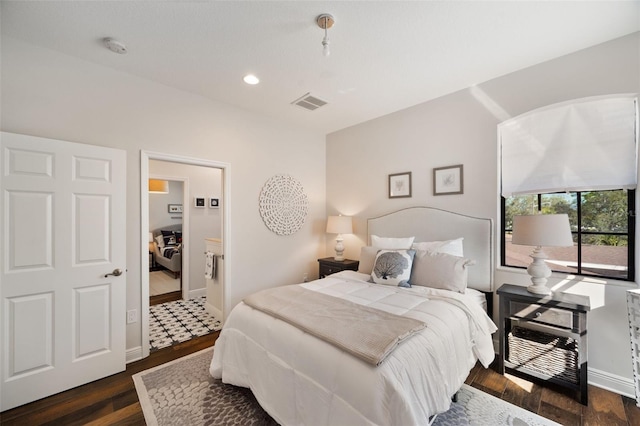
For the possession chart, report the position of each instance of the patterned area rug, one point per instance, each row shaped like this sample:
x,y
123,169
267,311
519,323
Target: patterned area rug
x,y
174,322
182,392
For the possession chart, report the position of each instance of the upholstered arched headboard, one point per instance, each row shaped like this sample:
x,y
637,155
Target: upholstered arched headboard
x,y
432,224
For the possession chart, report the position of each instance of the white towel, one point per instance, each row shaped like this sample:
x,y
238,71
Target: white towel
x,y
210,265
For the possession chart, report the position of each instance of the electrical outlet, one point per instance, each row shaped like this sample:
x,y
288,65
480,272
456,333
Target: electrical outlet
x,y
305,277
132,316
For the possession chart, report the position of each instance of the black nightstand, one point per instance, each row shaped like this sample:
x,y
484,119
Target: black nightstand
x,y
544,336
329,266
152,260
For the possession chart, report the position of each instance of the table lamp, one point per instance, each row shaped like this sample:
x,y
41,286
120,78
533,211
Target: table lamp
x,y
339,225
549,230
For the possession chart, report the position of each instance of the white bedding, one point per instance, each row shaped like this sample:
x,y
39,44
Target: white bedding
x,y
301,380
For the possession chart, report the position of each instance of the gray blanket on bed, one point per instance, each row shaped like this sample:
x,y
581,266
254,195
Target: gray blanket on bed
x,y
367,333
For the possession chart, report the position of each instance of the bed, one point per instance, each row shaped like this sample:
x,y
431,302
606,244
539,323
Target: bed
x,y
301,379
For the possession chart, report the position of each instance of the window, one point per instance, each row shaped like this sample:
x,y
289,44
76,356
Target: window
x,y
602,224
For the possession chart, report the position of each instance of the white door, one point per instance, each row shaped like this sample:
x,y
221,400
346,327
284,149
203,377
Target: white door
x,y
62,316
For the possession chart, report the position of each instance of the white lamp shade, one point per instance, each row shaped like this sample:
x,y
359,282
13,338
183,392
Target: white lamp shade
x,y
548,230
150,237
158,186
339,225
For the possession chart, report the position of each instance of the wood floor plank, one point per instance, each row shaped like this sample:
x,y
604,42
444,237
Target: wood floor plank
x,y
522,393
489,381
560,400
129,415
631,410
125,399
559,414
473,373
605,408
560,407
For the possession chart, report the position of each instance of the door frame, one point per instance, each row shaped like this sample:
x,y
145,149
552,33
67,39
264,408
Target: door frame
x,y
145,156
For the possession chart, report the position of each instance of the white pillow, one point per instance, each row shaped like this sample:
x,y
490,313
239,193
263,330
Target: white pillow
x,y
367,259
452,247
160,241
393,267
392,243
440,270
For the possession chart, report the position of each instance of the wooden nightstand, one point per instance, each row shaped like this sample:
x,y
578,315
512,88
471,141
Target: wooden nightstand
x,y
544,336
329,266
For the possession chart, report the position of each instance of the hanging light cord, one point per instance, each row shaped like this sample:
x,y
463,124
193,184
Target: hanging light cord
x,y
325,40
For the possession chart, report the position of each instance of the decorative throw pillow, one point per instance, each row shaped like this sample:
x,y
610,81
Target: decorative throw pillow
x,y
160,241
367,259
169,238
393,267
440,270
391,243
452,247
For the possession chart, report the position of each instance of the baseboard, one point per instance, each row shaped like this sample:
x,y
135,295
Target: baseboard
x,y
134,354
215,312
197,293
612,382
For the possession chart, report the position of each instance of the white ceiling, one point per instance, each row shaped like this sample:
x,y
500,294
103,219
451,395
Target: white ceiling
x,y
385,55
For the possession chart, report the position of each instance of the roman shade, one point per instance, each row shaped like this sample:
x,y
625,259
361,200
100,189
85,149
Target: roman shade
x,y
580,145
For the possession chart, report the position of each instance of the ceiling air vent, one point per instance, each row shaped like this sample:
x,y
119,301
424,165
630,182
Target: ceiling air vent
x,y
309,102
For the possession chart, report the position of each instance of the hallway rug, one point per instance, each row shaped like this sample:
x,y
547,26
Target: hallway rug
x,y
174,322
183,392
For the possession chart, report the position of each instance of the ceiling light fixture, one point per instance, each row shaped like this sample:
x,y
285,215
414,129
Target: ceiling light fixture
x,y
325,21
158,186
115,45
251,79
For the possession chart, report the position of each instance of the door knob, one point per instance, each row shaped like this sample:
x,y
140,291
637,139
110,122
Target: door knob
x,y
116,272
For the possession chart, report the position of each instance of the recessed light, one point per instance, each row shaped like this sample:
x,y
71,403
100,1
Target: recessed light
x,y
251,79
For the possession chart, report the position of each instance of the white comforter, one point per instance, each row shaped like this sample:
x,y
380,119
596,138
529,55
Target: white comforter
x,y
301,380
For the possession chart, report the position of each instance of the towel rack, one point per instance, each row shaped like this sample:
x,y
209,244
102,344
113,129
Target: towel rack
x,y
221,256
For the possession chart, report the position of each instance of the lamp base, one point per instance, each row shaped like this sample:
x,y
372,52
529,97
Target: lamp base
x,y
538,289
339,249
539,272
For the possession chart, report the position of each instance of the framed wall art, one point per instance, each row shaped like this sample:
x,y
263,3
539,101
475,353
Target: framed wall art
x,y
448,180
175,208
400,185
214,203
198,202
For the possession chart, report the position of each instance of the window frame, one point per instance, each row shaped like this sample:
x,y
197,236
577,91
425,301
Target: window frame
x,y
630,234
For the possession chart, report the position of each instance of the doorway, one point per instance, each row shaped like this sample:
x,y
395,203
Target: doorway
x,y
190,219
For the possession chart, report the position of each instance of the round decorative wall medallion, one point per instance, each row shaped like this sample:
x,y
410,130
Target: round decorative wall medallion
x,y
283,205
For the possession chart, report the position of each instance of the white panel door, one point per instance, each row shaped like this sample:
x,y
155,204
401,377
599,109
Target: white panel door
x,y
62,316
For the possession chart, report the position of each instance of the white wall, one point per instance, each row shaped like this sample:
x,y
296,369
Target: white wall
x,y
48,94
461,129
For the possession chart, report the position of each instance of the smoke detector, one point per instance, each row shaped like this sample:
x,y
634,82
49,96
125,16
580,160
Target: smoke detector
x,y
115,45
309,102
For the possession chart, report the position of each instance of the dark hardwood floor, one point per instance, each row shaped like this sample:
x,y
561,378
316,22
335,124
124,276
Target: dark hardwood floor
x,y
113,400
556,403
165,297
109,401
